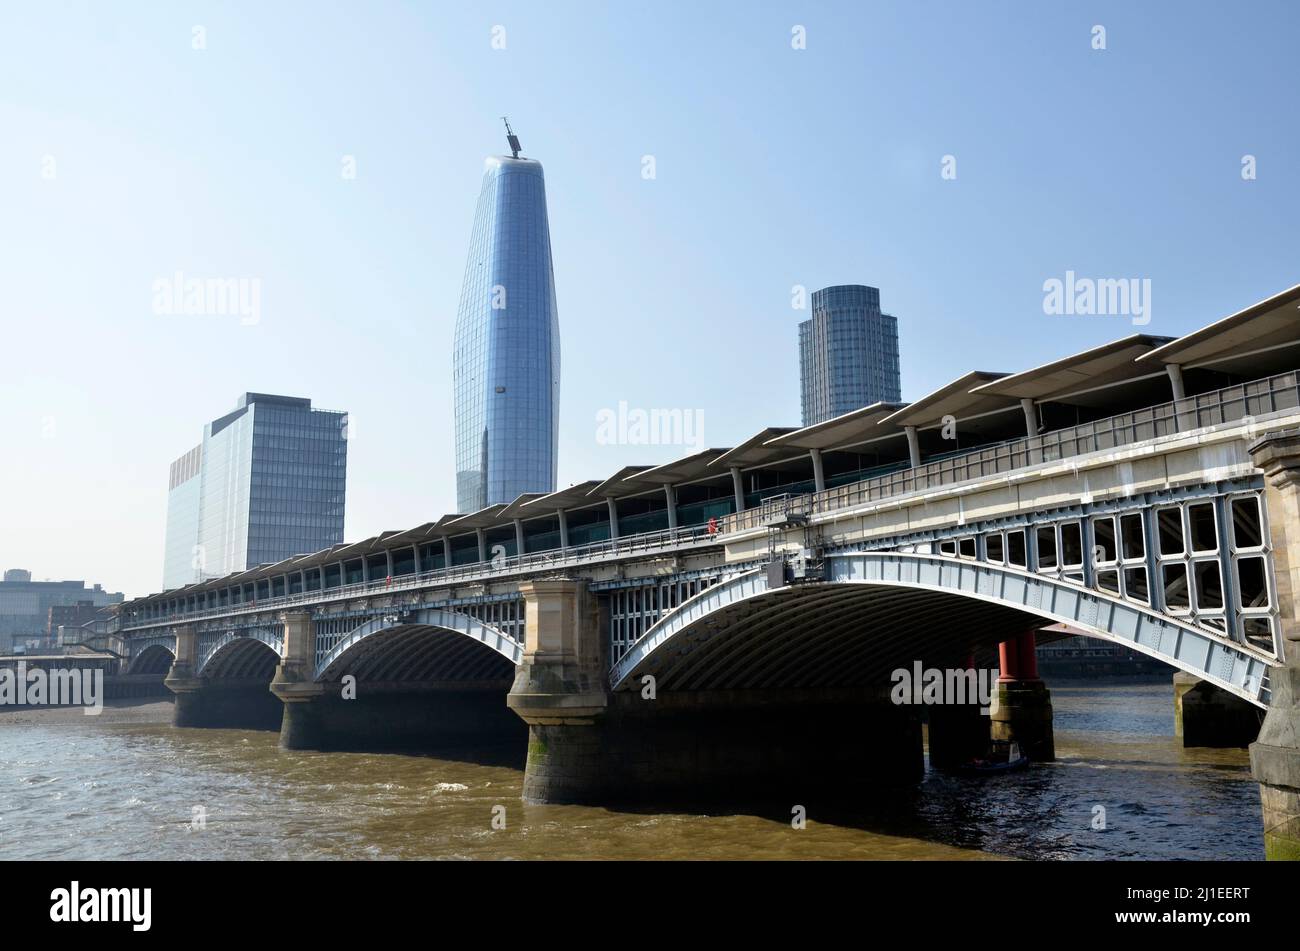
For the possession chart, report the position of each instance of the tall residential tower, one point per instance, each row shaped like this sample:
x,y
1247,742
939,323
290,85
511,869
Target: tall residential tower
x,y
506,365
267,482
848,353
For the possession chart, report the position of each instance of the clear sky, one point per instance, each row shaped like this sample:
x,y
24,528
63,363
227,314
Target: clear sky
x,y
128,155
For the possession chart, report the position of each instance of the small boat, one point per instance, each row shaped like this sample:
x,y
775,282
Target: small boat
x,y
982,767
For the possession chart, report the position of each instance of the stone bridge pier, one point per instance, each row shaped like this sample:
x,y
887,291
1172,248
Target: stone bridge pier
x,y
1275,756
236,700
588,744
423,713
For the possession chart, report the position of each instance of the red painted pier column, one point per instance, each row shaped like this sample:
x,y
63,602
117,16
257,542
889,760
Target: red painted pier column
x,y
1022,705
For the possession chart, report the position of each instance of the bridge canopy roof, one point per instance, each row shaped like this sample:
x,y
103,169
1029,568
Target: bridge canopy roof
x,y
1111,363
848,429
1263,338
616,486
412,536
754,451
955,399
687,469
483,518
549,503
515,509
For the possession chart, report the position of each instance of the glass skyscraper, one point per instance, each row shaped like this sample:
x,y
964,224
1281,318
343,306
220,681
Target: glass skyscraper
x,y
506,366
848,353
267,482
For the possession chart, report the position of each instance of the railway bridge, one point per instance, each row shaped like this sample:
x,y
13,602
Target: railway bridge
x,y
736,617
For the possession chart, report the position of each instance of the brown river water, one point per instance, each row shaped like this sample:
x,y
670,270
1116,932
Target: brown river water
x,y
126,785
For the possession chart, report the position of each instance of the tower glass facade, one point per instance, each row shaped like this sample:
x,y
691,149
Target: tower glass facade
x,y
267,482
848,353
506,366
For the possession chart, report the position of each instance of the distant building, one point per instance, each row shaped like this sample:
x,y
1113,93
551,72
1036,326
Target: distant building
x,y
506,365
268,481
25,605
848,353
69,615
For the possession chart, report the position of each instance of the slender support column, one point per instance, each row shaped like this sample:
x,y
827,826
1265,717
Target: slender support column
x,y
519,537
959,733
294,683
415,550
1176,380
343,575
671,497
1031,416
182,679
564,528
302,581
560,691
819,476
388,563
913,446
613,517
365,569
1022,705
482,544
1275,756
446,551
738,487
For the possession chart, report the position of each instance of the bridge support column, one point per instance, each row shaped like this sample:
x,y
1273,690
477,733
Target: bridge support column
x,y
1022,705
1275,756
1204,715
559,691
294,683
182,682
958,733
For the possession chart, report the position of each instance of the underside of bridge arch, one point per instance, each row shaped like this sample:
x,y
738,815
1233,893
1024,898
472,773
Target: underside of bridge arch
x,y
412,687
153,660
833,636
784,693
232,690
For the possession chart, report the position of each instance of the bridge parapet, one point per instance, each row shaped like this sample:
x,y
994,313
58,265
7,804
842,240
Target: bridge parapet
x,y
1275,756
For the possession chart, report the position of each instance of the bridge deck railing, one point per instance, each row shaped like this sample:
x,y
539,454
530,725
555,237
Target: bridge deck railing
x,y
1256,398
533,561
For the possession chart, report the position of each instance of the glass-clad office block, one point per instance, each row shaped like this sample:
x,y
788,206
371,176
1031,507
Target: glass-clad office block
x,y
848,353
267,482
506,366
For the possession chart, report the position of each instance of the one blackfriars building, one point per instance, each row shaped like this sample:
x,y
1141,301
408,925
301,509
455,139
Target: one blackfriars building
x,y
848,353
268,481
506,366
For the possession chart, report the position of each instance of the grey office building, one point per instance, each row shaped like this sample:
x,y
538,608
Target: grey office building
x,y
25,605
506,366
268,481
848,353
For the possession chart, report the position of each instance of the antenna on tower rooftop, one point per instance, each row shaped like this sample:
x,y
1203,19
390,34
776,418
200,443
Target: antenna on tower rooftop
x,y
512,138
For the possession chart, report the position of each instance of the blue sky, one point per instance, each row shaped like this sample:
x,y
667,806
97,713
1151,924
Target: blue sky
x,y
774,167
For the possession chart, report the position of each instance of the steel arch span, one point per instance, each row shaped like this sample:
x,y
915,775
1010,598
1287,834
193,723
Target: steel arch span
x,y
217,653
152,659
421,641
875,608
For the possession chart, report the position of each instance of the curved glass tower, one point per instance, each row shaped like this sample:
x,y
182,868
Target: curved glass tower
x,y
848,353
506,366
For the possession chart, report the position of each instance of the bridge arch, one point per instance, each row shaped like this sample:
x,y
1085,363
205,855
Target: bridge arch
x,y
241,655
153,659
424,645
875,609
